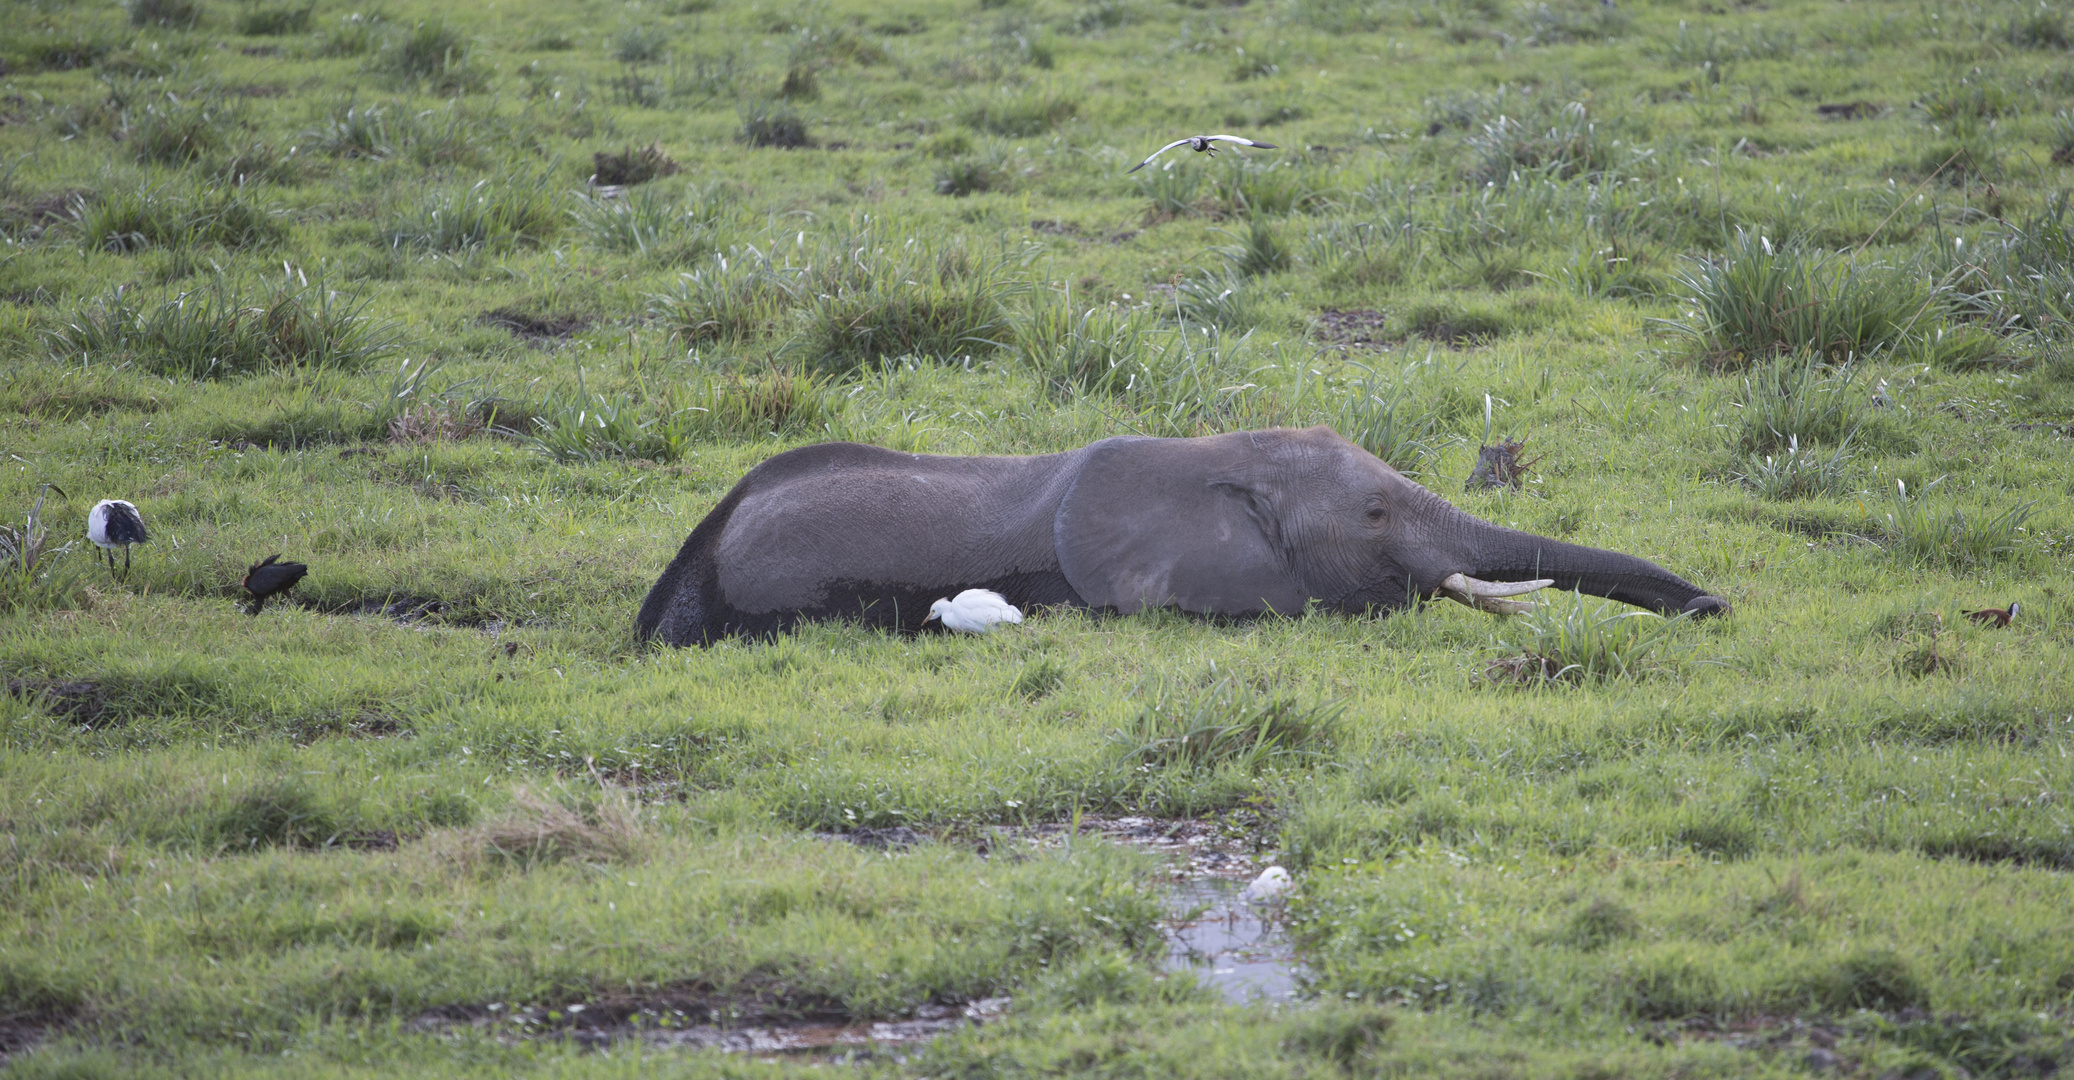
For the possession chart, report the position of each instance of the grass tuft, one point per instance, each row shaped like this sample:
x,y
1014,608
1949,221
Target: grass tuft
x,y
257,19
648,223
775,404
177,14
1227,725
1796,473
1950,535
1795,398
1761,300
279,813
602,828
436,56
34,575
491,214
776,126
1564,640
1023,113
1103,349
866,304
1562,147
222,329
1258,251
134,219
1383,419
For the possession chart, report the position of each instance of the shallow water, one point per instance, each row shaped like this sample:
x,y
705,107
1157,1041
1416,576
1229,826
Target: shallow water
x,y
1236,947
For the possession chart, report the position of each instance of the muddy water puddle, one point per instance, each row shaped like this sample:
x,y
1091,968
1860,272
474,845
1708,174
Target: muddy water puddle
x,y
1238,948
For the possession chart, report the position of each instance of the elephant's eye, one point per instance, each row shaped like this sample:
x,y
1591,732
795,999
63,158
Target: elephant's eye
x,y
1377,513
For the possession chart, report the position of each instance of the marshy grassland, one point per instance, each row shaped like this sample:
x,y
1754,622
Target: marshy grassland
x,y
477,309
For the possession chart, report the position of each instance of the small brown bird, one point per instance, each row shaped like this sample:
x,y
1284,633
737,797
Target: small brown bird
x,y
1994,617
266,578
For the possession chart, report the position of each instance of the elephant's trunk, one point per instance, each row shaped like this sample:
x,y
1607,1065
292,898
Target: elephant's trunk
x,y
1500,554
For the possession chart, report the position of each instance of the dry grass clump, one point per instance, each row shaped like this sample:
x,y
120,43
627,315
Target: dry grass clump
x,y
433,422
538,828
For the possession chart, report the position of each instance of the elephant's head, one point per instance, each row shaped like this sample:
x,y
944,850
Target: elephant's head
x,y
1273,519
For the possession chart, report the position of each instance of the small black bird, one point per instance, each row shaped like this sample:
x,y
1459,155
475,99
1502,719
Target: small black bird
x,y
1994,617
270,577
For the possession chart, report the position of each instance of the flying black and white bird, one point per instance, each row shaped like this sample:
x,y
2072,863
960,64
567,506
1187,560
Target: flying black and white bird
x,y
975,611
1202,144
111,524
264,579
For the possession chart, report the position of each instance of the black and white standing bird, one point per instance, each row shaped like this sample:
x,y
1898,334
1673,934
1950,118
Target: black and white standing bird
x,y
264,579
111,524
1202,144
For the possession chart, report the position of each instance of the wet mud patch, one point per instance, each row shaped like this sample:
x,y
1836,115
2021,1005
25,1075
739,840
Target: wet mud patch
x,y
893,838
703,1021
1849,110
78,702
536,329
1969,1046
410,610
1352,329
21,1034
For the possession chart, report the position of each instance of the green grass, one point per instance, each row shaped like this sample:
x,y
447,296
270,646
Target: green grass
x,y
333,282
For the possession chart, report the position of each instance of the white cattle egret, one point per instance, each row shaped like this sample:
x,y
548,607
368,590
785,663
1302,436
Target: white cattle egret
x,y
975,611
1202,144
1270,885
111,524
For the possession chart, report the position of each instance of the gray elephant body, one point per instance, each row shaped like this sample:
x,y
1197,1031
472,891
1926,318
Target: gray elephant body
x,y
1237,525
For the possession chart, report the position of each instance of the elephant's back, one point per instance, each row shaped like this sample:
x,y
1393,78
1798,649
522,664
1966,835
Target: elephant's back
x,y
839,515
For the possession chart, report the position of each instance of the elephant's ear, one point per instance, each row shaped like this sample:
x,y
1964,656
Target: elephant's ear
x,y
1180,522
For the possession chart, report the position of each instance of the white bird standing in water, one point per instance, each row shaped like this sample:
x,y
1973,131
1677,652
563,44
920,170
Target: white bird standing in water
x,y
975,611
113,523
1270,885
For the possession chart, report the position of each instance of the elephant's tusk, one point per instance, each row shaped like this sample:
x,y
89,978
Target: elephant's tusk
x,y
1490,595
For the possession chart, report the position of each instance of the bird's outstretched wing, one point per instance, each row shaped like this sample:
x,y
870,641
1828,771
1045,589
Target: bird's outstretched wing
x,y
1154,154
1241,142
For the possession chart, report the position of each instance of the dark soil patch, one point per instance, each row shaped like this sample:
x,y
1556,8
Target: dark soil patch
x,y
2063,428
261,50
631,166
21,1034
39,214
372,840
407,609
895,838
2010,850
756,1020
79,702
1055,228
1849,110
1352,329
536,328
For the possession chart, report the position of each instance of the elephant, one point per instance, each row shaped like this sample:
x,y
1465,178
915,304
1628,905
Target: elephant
x,y
1241,524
